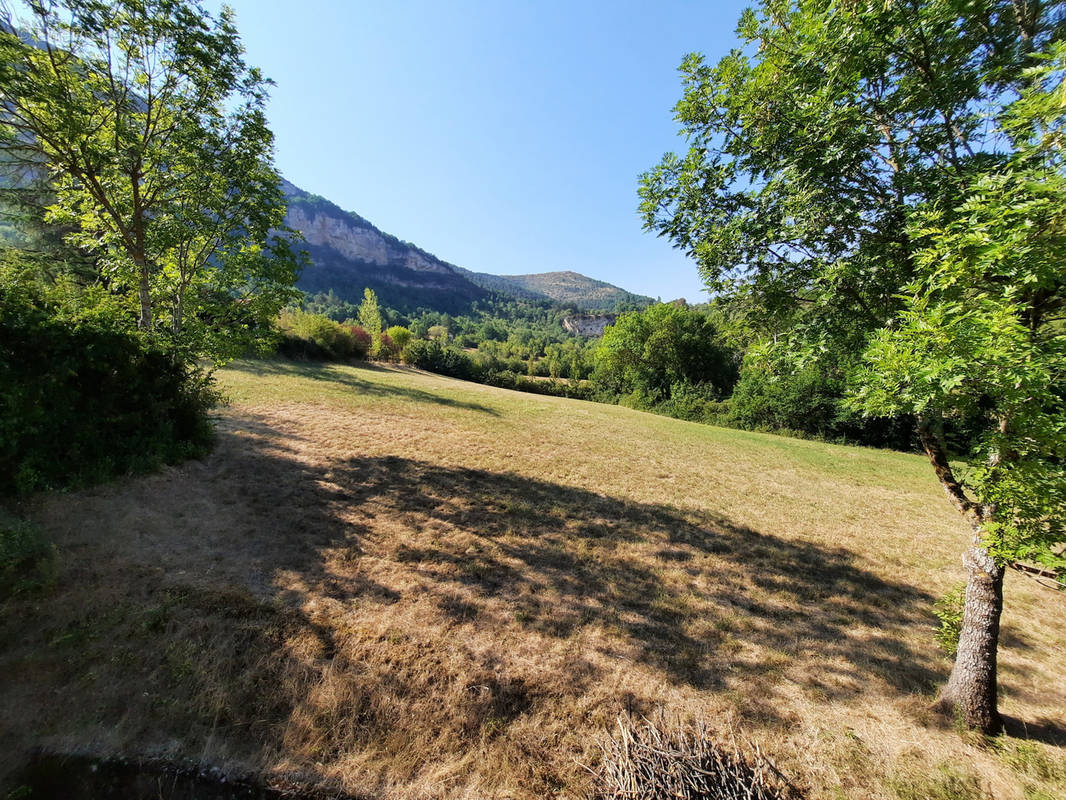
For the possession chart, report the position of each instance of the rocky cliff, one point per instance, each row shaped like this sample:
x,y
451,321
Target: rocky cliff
x,y
349,254
589,326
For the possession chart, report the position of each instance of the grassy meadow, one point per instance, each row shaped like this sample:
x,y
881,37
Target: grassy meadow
x,y
407,586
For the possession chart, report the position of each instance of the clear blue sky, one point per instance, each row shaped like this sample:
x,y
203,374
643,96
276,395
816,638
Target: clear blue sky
x,y
504,136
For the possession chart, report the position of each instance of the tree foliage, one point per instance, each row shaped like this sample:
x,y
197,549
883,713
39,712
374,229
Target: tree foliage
x,y
652,353
370,319
150,129
981,335
883,179
83,396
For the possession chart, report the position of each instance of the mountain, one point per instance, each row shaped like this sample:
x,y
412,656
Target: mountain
x,y
566,288
348,254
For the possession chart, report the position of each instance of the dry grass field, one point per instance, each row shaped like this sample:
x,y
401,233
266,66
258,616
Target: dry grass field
x,y
408,587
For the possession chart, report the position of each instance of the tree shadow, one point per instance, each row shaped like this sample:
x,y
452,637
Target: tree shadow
x,y
683,589
320,608
1048,731
710,603
328,373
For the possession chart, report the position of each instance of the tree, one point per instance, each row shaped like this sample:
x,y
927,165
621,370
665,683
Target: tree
x,y
834,163
400,336
370,319
151,131
648,353
981,335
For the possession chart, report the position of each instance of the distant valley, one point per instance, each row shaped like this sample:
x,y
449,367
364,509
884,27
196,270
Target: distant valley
x,y
348,254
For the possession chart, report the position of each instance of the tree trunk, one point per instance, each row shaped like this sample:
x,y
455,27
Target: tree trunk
x,y
144,321
970,693
179,312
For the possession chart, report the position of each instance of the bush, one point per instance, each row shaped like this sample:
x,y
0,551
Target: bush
x,y
361,340
325,338
809,400
435,356
692,402
84,397
23,551
400,335
387,348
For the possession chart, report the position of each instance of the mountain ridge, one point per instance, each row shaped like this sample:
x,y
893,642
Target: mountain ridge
x,y
349,253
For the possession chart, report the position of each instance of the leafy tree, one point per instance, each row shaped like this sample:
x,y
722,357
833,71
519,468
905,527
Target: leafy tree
x,y
151,129
399,335
854,172
981,334
646,353
370,318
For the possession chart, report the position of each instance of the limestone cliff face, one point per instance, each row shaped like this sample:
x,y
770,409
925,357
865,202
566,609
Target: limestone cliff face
x,y
349,254
589,326
326,230
360,242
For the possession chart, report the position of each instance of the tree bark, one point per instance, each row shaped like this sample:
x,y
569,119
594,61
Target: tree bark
x,y
144,321
970,693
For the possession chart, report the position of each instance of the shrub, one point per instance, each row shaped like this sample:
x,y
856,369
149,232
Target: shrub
x,y
328,339
22,552
693,402
774,395
387,348
83,396
435,356
400,335
362,341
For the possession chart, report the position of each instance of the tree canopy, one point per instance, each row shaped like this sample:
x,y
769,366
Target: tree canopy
x,y
885,180
150,131
660,349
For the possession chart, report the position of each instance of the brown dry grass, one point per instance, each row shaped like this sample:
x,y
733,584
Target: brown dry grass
x,y
413,587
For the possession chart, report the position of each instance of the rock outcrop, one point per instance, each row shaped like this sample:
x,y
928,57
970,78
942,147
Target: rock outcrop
x,y
590,326
349,254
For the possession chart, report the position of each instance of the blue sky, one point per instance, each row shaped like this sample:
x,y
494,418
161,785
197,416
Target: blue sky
x,y
504,137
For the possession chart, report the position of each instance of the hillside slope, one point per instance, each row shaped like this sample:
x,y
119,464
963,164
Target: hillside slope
x,y
565,288
414,587
348,254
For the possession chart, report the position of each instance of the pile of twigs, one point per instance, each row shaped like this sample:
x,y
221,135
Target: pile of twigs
x,y
657,761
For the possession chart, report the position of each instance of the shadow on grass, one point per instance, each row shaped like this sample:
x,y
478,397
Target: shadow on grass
x,y
323,609
1048,731
329,373
710,603
563,558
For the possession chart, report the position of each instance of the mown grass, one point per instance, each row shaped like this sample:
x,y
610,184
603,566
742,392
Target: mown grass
x,y
410,586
